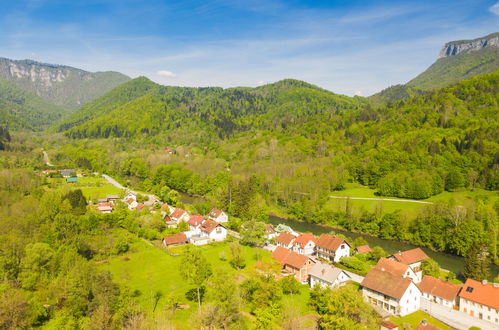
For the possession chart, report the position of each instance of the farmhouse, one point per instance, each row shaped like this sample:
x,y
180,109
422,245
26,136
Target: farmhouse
x,y
396,268
213,230
285,240
68,173
480,300
175,240
179,215
395,294
218,216
270,231
327,276
132,204
293,263
412,258
363,249
440,292
195,223
112,198
304,244
332,248
105,208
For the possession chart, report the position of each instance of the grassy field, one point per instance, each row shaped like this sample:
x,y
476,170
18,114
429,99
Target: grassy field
x,y
411,321
93,187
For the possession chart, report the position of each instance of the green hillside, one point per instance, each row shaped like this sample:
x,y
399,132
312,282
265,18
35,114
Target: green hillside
x,y
21,109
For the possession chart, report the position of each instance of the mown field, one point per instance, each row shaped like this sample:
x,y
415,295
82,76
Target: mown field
x,y
93,187
411,321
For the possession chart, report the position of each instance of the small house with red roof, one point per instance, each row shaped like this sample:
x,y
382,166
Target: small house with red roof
x,y
480,300
194,223
304,244
105,208
270,231
179,215
285,240
218,216
363,249
213,230
396,268
412,258
293,263
166,209
175,240
440,292
332,248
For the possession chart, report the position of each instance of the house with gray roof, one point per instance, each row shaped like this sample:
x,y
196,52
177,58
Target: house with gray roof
x,y
327,276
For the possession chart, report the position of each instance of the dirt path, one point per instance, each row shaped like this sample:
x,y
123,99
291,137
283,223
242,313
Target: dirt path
x,y
381,199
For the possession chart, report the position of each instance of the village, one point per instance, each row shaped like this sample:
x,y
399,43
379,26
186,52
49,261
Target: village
x,y
395,286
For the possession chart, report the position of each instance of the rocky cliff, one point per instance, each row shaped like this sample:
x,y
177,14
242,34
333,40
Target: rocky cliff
x,y
62,85
465,46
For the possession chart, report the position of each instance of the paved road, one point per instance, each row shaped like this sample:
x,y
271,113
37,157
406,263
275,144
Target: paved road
x,y
46,159
354,277
381,199
115,183
452,317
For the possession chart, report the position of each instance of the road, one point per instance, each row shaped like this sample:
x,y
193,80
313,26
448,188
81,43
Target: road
x,y
115,183
381,199
46,158
455,319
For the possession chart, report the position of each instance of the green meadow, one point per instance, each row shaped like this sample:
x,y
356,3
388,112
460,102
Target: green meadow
x,y
411,321
93,187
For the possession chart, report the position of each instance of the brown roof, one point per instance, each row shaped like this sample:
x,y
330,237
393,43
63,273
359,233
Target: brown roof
x,y
303,239
286,257
164,206
195,220
285,238
389,324
439,288
175,239
215,213
484,294
177,213
386,283
269,229
330,242
391,266
140,206
363,249
411,256
208,225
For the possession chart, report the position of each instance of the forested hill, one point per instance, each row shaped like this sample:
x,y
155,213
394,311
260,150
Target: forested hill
x,y
64,86
201,114
21,109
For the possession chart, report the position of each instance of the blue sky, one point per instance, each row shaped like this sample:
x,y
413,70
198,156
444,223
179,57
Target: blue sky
x,y
349,47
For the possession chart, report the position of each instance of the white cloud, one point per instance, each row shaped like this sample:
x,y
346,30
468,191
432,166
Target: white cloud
x,y
495,9
165,73
260,82
358,93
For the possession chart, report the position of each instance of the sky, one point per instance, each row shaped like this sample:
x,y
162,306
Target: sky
x,y
348,47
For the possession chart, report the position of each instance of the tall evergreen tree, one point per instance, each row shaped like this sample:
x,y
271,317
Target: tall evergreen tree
x,y
477,262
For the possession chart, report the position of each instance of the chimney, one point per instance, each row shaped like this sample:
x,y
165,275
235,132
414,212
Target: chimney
x,y
423,322
484,282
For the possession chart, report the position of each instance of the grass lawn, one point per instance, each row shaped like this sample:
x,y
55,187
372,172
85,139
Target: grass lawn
x,y
415,318
91,187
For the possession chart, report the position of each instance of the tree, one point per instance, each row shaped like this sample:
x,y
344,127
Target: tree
x,y
378,253
237,258
253,233
430,267
195,269
290,285
223,293
359,241
77,201
14,310
476,262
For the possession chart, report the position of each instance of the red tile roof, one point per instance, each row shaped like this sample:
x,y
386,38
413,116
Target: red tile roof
x,y
389,324
484,294
363,249
208,225
386,283
195,220
140,206
177,213
391,266
269,229
303,239
329,242
285,238
175,239
286,257
439,288
104,207
164,206
411,256
215,213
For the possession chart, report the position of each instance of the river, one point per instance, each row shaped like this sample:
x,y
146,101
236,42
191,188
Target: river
x,y
446,261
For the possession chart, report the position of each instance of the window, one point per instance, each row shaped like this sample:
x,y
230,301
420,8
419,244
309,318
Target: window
x,y
469,289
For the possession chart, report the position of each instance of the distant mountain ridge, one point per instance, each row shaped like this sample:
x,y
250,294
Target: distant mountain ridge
x,y
62,85
454,48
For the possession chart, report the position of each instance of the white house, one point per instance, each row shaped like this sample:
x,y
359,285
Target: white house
x,y
179,215
480,300
105,208
395,294
218,216
194,223
412,258
327,276
270,231
166,210
304,244
213,230
332,248
440,292
397,268
285,240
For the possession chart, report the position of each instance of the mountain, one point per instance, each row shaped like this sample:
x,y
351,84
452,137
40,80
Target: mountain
x,y
457,60
62,85
21,109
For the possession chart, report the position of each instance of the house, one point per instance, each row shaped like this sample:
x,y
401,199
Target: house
x,y
179,215
132,204
105,208
293,263
332,248
194,223
213,230
72,180
393,293
480,300
68,173
412,258
363,249
327,276
140,206
218,216
304,244
440,292
388,325
101,200
175,240
285,240
270,231
112,198
283,228
166,209
396,268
